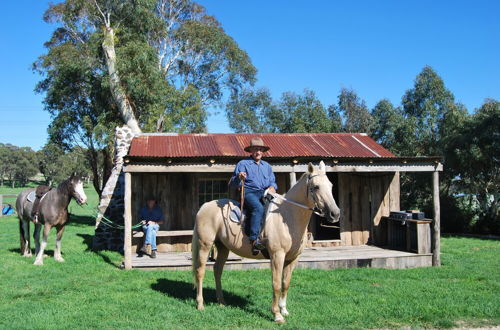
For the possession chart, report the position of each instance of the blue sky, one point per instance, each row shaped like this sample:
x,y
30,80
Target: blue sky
x,y
375,47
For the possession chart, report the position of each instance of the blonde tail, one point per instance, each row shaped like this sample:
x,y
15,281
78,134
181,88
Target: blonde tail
x,y
195,255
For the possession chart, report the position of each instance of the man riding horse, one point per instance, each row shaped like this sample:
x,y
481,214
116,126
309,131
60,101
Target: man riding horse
x,y
256,175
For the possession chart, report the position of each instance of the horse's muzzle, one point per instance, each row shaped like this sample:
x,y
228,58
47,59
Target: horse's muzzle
x,y
81,201
333,216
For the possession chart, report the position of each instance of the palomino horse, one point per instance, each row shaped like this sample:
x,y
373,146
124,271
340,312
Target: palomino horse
x,y
284,235
53,212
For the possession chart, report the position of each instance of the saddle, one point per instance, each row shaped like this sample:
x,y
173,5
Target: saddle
x,y
39,193
237,216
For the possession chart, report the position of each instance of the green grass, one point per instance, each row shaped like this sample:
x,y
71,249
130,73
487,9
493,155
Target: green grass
x,y
90,291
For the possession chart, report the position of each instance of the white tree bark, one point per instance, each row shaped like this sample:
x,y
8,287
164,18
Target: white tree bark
x,y
117,91
126,111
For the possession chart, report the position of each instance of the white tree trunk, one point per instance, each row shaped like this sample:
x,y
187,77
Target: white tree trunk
x,y
117,91
127,113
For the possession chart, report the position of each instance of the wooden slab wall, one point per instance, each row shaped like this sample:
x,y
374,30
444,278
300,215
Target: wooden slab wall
x,y
363,200
177,195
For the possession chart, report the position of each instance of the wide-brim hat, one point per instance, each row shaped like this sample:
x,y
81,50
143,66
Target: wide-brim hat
x,y
256,142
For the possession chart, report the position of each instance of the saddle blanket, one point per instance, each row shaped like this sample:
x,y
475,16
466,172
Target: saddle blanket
x,y
31,196
235,214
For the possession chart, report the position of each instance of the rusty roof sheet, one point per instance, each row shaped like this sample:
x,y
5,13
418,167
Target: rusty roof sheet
x,y
282,145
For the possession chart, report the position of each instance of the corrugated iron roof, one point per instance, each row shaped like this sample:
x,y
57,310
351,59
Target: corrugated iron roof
x,y
282,145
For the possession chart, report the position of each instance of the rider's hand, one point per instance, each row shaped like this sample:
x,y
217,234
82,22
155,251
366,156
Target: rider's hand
x,y
242,175
272,190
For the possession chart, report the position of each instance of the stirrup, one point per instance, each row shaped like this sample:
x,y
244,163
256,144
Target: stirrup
x,y
258,245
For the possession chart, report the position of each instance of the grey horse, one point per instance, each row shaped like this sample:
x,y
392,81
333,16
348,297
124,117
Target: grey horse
x,y
53,212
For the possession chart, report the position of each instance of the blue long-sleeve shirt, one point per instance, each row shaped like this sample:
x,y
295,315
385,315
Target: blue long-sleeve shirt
x,y
260,175
155,214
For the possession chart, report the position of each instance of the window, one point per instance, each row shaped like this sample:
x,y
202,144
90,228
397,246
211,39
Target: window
x,y
210,189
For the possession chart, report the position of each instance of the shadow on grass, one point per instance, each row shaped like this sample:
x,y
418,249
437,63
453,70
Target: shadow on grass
x,y
88,241
184,291
485,237
49,253
81,220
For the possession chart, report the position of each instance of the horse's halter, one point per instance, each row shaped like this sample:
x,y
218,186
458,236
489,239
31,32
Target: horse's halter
x,y
310,189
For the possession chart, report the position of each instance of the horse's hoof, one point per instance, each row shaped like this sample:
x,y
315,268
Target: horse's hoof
x,y
279,319
201,307
38,263
27,255
284,311
60,259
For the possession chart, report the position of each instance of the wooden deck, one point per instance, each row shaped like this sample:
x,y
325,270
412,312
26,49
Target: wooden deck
x,y
317,257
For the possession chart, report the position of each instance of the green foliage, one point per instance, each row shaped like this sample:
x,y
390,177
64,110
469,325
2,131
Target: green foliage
x,y
17,164
195,52
57,165
173,60
427,103
431,123
255,111
355,114
300,114
473,151
249,111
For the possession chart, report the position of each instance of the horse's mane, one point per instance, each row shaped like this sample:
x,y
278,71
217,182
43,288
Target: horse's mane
x,y
65,185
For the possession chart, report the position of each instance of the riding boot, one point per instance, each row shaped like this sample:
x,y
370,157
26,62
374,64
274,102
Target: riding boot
x,y
257,246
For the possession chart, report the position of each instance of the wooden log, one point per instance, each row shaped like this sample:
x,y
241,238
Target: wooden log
x,y
293,179
344,204
436,255
376,209
127,248
365,211
423,238
394,193
355,208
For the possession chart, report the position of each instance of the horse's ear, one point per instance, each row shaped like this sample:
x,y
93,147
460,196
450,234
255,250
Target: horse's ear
x,y
322,167
310,167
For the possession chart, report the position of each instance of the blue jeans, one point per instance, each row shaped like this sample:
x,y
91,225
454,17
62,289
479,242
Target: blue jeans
x,y
150,234
255,212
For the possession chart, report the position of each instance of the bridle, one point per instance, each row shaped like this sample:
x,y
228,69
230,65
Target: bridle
x,y
309,189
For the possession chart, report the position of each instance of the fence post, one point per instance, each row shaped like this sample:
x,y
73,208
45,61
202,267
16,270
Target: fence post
x,y
436,255
1,205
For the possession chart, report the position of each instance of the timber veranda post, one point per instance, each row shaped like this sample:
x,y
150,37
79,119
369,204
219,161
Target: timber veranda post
x,y
436,255
127,238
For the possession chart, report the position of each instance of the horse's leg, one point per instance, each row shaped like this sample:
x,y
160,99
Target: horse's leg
x,y
39,256
287,276
57,252
36,237
222,253
277,261
201,249
25,238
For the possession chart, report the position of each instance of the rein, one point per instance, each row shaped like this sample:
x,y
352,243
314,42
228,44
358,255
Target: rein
x,y
314,209
242,196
